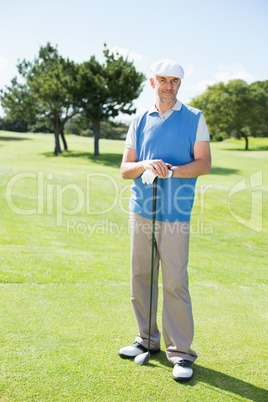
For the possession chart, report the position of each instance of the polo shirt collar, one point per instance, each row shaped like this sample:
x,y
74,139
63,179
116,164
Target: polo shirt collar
x,y
176,107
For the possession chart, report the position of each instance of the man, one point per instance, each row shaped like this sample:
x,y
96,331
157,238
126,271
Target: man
x,y
169,141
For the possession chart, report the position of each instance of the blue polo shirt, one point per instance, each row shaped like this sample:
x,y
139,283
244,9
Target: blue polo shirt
x,y
171,140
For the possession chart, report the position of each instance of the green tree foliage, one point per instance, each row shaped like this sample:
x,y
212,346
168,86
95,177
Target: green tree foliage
x,y
55,89
52,79
18,102
48,94
235,109
259,111
107,89
112,130
78,125
20,126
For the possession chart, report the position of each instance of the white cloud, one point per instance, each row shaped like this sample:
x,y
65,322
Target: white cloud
x,y
201,86
204,84
188,70
233,72
133,56
3,63
224,74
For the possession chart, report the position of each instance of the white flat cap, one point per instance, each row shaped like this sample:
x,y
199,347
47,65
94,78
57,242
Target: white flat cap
x,y
167,68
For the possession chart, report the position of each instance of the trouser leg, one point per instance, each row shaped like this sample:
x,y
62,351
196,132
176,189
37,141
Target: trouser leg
x,y
177,318
141,249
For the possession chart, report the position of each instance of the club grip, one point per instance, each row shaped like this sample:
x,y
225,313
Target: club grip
x,y
154,197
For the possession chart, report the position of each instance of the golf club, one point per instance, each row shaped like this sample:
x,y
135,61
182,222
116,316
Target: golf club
x,y
144,358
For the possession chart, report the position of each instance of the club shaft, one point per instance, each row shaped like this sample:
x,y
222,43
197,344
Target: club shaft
x,y
152,259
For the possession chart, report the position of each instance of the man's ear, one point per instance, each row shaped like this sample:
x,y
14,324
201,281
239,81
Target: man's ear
x,y
152,82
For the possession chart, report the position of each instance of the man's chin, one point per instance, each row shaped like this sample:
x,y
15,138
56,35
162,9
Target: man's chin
x,y
164,100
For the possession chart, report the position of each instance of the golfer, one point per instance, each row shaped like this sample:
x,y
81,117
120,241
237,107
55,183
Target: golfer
x,y
169,141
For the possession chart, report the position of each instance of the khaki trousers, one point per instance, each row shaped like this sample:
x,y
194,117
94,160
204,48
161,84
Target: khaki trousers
x,y
171,248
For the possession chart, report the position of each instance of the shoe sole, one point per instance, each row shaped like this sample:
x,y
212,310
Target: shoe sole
x,y
152,352
181,379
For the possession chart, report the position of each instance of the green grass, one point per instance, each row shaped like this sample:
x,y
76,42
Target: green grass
x,y
64,278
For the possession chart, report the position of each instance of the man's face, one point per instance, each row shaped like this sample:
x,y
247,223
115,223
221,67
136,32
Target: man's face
x,y
166,88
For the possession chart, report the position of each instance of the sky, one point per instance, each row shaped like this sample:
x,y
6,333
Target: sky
x,y
213,40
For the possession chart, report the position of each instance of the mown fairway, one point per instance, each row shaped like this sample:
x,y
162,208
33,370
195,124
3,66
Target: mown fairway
x,y
64,273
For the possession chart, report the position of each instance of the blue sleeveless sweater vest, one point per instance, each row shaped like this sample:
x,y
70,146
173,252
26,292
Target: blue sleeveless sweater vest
x,y
172,141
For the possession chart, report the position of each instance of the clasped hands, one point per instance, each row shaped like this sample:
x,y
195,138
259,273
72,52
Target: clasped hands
x,y
156,168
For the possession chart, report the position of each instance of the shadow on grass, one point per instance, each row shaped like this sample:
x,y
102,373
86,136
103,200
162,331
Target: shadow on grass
x,y
223,171
106,159
255,148
15,139
219,382
114,160
225,383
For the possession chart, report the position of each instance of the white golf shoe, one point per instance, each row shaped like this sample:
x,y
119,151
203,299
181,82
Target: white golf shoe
x,y
131,351
183,371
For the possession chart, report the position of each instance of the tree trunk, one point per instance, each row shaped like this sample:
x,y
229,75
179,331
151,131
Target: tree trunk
x,y
96,132
246,139
57,149
65,146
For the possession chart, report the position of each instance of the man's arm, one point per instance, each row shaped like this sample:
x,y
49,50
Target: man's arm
x,y
201,164
131,168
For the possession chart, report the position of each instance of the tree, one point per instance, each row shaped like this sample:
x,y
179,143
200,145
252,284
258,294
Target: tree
x,y
259,110
49,92
55,89
107,89
109,129
113,130
53,79
212,103
231,109
20,126
18,102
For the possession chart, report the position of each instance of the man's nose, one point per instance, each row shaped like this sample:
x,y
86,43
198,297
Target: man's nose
x,y
169,85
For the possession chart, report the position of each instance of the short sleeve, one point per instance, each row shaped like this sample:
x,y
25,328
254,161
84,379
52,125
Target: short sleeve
x,y
131,137
202,133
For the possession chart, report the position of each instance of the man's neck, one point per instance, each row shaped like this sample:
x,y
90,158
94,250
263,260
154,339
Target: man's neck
x,y
163,107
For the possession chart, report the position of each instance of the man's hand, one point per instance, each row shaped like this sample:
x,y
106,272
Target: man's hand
x,y
155,168
132,169
158,167
148,176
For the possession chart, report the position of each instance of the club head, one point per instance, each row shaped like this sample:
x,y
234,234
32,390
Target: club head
x,y
142,359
